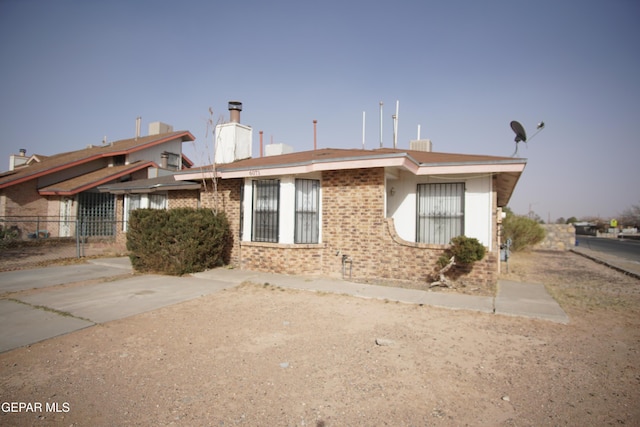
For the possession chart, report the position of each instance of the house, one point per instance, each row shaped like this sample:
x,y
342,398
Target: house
x,y
388,213
46,194
375,215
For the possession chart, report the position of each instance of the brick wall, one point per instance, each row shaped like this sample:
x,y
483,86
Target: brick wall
x,y
283,259
24,200
226,198
183,199
121,236
353,212
354,224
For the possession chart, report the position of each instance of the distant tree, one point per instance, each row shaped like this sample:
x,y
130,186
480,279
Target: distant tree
x,y
571,220
630,217
523,231
561,220
535,217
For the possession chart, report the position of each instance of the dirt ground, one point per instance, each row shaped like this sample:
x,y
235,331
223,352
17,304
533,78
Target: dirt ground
x,y
259,355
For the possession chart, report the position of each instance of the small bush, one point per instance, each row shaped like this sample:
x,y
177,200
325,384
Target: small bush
x,y
524,232
466,251
177,241
9,236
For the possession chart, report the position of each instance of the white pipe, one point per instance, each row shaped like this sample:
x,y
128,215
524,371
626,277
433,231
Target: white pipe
x,y
393,122
363,123
418,132
381,124
138,119
395,136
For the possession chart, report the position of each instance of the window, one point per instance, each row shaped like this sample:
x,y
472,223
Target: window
x,y
138,201
440,212
97,212
307,218
173,161
266,204
157,201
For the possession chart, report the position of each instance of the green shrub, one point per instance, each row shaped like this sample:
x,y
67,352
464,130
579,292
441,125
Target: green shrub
x,y
9,236
466,251
524,232
177,241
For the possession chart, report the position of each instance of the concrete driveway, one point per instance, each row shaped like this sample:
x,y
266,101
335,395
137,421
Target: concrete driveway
x,y
29,317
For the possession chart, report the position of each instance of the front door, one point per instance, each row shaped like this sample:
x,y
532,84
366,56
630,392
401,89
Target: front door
x,y
66,206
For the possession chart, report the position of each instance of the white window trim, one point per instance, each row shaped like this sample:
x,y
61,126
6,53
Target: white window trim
x,y
287,208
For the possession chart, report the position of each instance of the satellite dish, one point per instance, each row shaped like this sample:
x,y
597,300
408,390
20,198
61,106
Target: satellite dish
x,y
521,135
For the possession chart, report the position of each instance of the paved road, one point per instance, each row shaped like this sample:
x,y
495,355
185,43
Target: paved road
x,y
623,248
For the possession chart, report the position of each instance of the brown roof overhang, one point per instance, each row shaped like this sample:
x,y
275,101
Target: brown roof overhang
x,y
93,179
150,185
60,162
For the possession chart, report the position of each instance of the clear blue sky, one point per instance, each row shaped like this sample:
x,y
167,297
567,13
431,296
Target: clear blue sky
x,y
75,71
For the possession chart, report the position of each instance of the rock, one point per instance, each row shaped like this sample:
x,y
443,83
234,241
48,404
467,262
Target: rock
x,y
384,342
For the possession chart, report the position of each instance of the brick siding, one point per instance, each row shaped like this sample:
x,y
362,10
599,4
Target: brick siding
x,y
226,198
24,200
183,199
354,224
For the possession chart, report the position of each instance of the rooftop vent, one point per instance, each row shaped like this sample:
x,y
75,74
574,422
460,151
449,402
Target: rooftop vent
x,y
157,128
420,145
277,149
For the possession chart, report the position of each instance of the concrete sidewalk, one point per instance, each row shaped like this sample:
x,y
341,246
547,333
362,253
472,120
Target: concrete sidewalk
x,y
512,299
626,266
53,310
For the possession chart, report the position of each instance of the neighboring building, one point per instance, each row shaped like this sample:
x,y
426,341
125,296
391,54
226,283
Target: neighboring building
x,y
586,228
60,188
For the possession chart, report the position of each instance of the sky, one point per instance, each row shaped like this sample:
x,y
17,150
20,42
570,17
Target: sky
x,y
75,71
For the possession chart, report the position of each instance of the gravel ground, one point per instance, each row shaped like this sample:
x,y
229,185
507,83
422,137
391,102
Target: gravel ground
x,y
259,355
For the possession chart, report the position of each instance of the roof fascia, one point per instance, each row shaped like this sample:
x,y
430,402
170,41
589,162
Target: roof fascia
x,y
403,160
202,172
150,189
309,167
186,160
470,168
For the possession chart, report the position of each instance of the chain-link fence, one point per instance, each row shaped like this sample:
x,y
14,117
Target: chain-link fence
x,y
32,241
